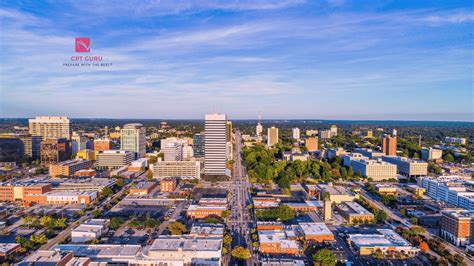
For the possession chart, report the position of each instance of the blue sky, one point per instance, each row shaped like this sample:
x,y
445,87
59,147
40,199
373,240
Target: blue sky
x,y
328,59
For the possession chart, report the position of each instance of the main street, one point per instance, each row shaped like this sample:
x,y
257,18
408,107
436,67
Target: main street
x,y
240,221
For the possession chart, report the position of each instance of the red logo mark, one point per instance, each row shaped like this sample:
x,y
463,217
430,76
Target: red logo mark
x,y
83,45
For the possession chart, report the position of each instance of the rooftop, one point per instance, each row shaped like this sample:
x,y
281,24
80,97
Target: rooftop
x,y
46,257
335,190
145,185
6,247
69,193
353,207
207,230
277,236
459,213
186,243
386,237
101,251
315,229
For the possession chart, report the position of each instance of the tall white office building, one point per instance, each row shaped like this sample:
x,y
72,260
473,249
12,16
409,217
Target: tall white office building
x,y
215,144
132,138
296,133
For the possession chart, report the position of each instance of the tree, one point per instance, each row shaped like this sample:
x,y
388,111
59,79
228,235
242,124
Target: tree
x,y
116,222
46,221
60,223
149,174
177,228
325,257
417,230
212,220
284,182
381,216
282,212
120,182
38,239
241,253
344,173
449,157
106,192
96,213
225,214
350,172
151,223
414,220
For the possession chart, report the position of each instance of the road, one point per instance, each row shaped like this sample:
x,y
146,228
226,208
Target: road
x,y
66,232
240,221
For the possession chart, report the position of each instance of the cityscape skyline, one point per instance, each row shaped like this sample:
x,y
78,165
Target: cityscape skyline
x,y
292,59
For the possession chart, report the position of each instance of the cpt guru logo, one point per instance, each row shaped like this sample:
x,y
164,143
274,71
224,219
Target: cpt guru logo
x,y
83,57
83,45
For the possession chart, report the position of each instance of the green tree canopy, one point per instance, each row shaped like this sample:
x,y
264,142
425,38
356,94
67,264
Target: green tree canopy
x,y
177,228
241,253
325,257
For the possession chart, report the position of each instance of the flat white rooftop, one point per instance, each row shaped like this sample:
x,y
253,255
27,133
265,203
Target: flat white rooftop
x,y
186,243
315,229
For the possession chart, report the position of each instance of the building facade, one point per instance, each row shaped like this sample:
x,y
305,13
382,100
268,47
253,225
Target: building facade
x,y
183,169
215,145
113,159
68,168
408,167
272,136
295,133
132,138
457,227
198,145
50,127
389,144
311,144
54,151
102,145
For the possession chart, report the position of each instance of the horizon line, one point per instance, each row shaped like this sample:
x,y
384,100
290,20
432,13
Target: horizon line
x,y
267,119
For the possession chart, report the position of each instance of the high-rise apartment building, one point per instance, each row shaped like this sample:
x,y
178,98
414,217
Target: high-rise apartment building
x,y
198,145
296,133
50,127
311,144
54,151
229,131
272,136
215,144
132,138
389,145
457,226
